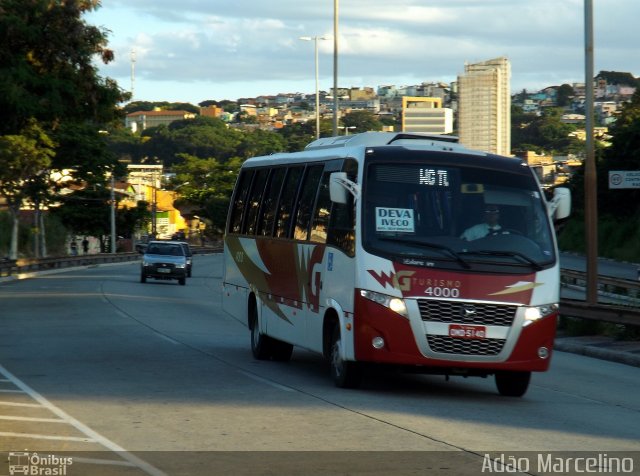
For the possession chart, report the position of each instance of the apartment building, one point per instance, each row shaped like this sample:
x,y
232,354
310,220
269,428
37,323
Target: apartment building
x,y
426,114
141,120
484,107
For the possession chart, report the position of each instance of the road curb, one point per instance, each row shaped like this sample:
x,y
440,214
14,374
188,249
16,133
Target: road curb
x,y
33,274
599,351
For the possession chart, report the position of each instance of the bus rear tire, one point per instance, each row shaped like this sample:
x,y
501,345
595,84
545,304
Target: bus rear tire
x,y
513,384
345,374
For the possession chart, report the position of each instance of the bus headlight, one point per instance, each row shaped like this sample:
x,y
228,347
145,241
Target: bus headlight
x,y
532,314
397,305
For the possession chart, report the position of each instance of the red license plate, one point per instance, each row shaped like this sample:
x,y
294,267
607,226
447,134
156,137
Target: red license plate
x,y
461,331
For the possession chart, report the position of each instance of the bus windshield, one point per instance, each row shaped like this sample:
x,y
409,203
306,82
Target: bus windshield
x,y
456,217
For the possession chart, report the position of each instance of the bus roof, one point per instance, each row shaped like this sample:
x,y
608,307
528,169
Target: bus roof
x,y
343,146
376,139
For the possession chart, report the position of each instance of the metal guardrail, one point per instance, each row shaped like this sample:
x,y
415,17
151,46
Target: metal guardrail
x,y
10,268
625,291
619,314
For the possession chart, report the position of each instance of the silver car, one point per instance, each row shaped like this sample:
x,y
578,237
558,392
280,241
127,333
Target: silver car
x,y
164,260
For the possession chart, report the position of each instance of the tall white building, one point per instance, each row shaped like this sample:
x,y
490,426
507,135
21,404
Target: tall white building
x,y
484,106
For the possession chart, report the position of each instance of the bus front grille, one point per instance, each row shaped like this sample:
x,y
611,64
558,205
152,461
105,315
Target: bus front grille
x,y
450,345
467,313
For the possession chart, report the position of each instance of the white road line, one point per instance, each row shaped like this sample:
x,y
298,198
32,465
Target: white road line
x,y
39,420
8,390
106,462
47,437
168,339
15,404
268,382
24,418
4,380
93,435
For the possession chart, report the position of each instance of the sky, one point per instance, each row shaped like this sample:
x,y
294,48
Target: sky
x,y
197,50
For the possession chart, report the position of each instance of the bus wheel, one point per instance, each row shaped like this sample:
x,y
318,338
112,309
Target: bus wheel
x,y
261,345
512,384
345,374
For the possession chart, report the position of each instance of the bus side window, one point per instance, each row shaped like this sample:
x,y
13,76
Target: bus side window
x,y
287,202
239,201
342,221
268,215
320,222
255,199
306,201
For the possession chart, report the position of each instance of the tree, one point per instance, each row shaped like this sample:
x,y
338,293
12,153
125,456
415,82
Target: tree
x,y
47,72
206,186
363,121
564,95
544,134
25,159
47,54
623,154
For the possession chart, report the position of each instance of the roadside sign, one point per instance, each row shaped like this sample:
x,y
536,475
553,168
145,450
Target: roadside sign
x,y
624,179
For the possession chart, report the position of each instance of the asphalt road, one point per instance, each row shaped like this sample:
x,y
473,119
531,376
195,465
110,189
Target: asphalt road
x,y
131,378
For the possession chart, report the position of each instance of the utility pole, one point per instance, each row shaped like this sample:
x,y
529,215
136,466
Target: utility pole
x,y
590,179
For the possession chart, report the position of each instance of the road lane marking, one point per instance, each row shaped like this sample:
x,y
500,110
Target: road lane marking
x,y
16,404
78,425
105,462
24,418
168,339
36,436
8,390
268,382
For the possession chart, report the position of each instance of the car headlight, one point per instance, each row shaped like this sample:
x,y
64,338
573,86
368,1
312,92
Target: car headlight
x,y
397,305
533,313
181,265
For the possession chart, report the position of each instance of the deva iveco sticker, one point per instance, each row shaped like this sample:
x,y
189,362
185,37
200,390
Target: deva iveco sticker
x,y
394,219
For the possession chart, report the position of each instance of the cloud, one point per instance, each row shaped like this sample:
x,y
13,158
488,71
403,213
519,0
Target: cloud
x,y
254,42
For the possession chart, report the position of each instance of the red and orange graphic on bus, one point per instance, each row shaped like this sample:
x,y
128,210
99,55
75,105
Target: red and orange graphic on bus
x,y
416,282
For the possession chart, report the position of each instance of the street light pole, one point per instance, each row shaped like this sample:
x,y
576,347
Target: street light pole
x,y
154,206
315,40
335,67
113,214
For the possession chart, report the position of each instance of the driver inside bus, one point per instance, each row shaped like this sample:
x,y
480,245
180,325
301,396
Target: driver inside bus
x,y
489,226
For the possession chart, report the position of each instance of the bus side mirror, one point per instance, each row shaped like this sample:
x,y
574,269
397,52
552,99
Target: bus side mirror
x,y
337,191
561,203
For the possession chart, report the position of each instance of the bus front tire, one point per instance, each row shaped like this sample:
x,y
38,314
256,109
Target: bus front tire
x,y
345,374
513,384
261,345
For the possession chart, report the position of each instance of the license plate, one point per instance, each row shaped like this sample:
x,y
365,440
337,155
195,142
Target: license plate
x,y
461,331
164,270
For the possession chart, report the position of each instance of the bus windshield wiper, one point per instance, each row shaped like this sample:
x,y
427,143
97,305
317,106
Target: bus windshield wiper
x,y
513,254
434,246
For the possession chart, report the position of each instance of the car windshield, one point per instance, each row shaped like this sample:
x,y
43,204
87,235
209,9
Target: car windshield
x,y
164,249
455,216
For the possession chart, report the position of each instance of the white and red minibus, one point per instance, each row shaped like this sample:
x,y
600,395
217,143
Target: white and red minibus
x,y
379,248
